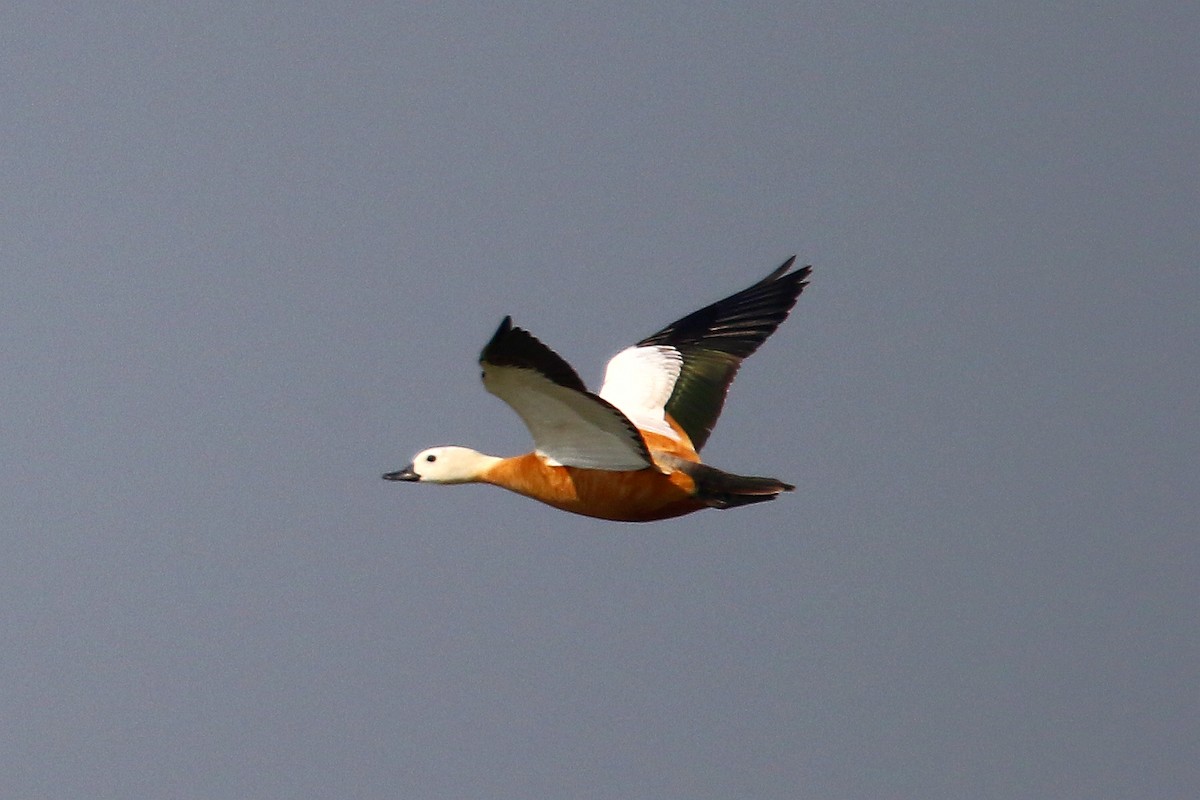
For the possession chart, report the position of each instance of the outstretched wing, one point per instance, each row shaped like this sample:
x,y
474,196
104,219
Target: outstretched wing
x,y
569,424
685,369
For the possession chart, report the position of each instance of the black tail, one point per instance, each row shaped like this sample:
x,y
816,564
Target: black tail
x,y
725,490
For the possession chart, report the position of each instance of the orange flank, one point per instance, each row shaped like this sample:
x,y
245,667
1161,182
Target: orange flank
x,y
629,496
631,451
678,445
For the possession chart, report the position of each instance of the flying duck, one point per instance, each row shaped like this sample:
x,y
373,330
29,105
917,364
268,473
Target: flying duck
x,y
629,452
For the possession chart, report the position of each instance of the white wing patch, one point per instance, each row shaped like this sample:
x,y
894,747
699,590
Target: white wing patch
x,y
639,381
569,427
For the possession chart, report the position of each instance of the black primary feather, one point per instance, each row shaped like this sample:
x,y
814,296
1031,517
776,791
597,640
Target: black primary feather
x,y
714,340
516,347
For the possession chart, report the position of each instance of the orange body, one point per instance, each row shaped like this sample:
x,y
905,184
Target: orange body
x,y
633,496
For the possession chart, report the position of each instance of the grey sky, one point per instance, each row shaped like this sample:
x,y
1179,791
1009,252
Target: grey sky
x,y
252,252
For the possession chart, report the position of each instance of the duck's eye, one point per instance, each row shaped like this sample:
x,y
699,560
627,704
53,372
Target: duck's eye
x,y
431,459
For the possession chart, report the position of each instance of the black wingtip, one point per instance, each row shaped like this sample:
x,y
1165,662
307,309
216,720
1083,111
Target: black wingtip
x,y
738,324
714,340
784,270
511,346
497,338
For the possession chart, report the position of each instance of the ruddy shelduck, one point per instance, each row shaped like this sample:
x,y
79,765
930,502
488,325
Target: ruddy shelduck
x,y
629,452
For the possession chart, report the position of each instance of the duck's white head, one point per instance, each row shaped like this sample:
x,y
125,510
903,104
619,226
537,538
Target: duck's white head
x,y
445,465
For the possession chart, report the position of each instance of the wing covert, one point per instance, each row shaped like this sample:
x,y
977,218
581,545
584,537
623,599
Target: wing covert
x,y
569,424
713,341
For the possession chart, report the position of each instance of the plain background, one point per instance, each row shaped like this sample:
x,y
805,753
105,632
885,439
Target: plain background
x,y
251,252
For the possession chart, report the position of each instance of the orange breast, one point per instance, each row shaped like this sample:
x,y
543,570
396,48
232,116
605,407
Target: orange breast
x,y
633,496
